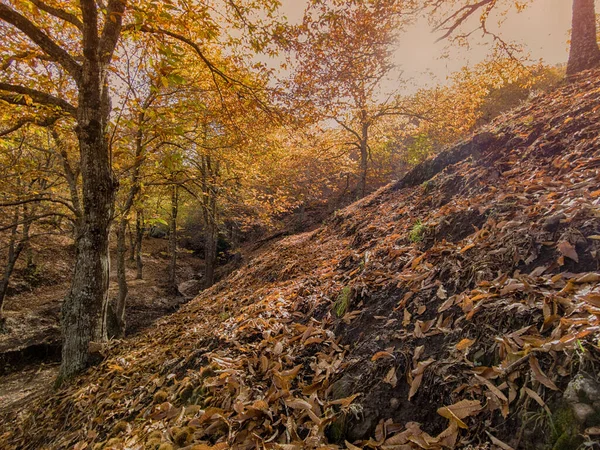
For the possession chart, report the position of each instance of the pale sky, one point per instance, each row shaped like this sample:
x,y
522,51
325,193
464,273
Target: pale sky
x,y
543,28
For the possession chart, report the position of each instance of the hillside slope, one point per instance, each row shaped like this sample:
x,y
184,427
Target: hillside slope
x,y
451,309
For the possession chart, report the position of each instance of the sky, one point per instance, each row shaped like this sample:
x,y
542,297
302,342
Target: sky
x,y
543,29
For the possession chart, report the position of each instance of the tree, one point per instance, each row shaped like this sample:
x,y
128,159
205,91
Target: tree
x,y
584,52
76,43
344,54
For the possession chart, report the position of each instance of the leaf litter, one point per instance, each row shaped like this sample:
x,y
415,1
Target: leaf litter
x,y
443,343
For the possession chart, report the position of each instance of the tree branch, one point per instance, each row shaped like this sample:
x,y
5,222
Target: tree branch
x,y
59,13
37,96
41,39
42,122
112,29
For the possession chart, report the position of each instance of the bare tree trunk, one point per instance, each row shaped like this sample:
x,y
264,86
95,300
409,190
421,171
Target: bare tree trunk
x,y
121,280
584,53
364,161
210,252
131,243
139,237
172,282
11,259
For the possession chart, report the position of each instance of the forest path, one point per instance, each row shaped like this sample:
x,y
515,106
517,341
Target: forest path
x,y
30,351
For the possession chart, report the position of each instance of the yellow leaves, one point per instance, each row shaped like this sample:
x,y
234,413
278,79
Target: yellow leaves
x,y
464,344
381,354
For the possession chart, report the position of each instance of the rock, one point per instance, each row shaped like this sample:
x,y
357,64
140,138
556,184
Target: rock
x,y
582,412
552,223
582,389
189,289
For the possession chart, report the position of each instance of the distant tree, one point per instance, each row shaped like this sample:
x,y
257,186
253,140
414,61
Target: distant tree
x,y
450,17
584,53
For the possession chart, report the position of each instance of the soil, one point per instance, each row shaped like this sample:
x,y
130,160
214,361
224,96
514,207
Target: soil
x,y
30,349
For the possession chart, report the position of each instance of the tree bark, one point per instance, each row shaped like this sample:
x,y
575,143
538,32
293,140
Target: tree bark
x,y
131,243
584,53
172,282
15,246
121,279
210,251
139,236
364,160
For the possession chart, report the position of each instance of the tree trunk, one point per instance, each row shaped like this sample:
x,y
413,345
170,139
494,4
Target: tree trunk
x,y
210,252
173,242
139,236
131,243
119,311
364,161
84,308
584,53
11,259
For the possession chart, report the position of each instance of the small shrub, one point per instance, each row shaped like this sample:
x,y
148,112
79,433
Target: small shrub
x,y
417,232
342,302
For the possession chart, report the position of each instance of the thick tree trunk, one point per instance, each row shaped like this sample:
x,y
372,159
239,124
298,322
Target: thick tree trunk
x,y
84,308
172,282
139,236
364,161
584,53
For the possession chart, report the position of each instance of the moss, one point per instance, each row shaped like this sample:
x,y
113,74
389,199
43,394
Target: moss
x,y
336,432
342,302
417,232
566,433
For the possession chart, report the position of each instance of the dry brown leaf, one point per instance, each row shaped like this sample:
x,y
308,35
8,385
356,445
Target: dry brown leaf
x,y
390,378
567,250
539,375
498,442
460,410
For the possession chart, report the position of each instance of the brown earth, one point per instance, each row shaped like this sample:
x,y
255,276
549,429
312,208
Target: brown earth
x,y
453,309
30,350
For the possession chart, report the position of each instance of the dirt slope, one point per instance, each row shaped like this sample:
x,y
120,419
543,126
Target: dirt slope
x,y
451,309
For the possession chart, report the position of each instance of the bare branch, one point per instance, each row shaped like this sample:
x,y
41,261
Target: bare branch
x,y
59,13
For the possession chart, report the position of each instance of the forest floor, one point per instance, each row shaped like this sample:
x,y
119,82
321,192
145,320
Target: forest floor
x,y
456,308
30,350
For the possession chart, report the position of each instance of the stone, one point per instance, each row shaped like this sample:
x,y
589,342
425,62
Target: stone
x,y
189,289
582,412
